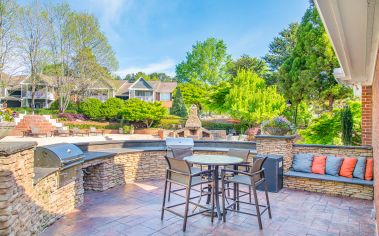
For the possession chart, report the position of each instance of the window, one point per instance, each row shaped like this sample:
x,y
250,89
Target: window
x,y
139,93
165,97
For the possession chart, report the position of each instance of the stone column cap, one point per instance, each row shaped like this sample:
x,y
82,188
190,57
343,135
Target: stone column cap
x,y
276,136
8,148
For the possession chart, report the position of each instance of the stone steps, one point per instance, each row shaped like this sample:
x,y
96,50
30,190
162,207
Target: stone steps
x,y
44,123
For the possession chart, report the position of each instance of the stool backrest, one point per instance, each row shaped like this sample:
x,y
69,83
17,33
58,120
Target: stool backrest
x,y
258,166
242,153
178,165
180,153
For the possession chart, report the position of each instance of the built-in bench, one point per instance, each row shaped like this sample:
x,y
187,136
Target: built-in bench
x,y
329,184
341,179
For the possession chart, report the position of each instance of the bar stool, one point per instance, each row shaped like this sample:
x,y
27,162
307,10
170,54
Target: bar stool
x,y
252,179
179,173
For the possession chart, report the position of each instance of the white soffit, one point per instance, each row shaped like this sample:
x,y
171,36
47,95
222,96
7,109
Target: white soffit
x,y
353,28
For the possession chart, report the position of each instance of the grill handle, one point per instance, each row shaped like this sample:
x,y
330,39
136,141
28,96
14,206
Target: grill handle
x,y
72,164
64,161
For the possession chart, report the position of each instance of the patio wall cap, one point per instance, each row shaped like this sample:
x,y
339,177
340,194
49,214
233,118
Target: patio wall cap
x,y
275,136
8,148
117,141
333,146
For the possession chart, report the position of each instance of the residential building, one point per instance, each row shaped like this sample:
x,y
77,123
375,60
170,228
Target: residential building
x,y
353,28
149,91
17,91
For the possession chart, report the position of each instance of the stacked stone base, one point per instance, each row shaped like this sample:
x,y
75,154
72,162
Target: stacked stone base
x,y
330,187
27,207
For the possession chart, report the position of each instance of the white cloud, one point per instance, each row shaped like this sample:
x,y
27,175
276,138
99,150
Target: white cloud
x,y
110,14
165,66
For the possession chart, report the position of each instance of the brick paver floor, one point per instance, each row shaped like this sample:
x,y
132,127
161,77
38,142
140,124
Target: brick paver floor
x,y
134,209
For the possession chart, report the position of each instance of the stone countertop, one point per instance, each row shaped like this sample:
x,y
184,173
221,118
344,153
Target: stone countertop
x,y
96,154
8,148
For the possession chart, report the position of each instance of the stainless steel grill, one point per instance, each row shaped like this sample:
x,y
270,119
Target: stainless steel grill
x,y
64,158
178,143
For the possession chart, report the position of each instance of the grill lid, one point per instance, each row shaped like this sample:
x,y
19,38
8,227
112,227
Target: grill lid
x,y
58,155
179,143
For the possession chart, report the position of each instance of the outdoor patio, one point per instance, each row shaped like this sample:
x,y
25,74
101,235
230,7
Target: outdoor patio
x,y
134,209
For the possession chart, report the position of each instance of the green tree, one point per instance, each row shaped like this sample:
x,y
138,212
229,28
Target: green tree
x,y
194,94
91,107
325,129
307,74
347,124
146,112
141,75
88,72
178,106
206,64
112,107
253,64
281,48
217,96
162,77
86,34
251,101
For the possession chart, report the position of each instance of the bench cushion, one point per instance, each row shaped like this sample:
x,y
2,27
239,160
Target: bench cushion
x,y
360,168
348,166
333,165
369,169
328,178
302,162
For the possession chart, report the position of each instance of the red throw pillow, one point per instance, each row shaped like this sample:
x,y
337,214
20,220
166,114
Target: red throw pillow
x,y
369,169
318,165
348,166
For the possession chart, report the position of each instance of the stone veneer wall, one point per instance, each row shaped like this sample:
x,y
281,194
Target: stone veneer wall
x,y
105,173
25,208
330,187
280,145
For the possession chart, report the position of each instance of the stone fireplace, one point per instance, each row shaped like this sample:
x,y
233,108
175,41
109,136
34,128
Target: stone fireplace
x,y
192,128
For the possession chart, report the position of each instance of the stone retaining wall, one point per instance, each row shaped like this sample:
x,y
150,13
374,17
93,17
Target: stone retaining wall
x,y
25,208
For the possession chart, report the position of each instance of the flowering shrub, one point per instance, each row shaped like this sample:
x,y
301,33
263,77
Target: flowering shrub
x,y
71,117
6,114
277,126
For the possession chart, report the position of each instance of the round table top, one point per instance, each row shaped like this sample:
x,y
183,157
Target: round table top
x,y
216,160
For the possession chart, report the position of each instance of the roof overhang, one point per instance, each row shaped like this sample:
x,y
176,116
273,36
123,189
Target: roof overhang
x,y
353,28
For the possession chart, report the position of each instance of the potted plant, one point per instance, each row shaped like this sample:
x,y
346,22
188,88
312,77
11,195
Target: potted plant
x,y
277,126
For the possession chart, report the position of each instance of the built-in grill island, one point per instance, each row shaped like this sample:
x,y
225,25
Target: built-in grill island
x,y
63,158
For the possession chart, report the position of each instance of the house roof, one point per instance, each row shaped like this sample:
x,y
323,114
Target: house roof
x,y
52,81
12,82
157,86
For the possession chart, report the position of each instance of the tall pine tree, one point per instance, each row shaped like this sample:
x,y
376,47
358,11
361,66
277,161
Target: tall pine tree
x,y
178,106
307,74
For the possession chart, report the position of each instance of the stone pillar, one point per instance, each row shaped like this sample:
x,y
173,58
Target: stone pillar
x,y
16,182
366,115
279,145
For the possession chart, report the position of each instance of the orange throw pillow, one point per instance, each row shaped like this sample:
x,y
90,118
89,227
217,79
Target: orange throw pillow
x,y
369,169
318,165
348,166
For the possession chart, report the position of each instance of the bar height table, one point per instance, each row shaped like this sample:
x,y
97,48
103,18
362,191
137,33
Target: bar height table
x,y
214,161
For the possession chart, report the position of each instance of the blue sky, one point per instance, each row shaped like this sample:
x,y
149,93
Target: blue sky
x,y
154,35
